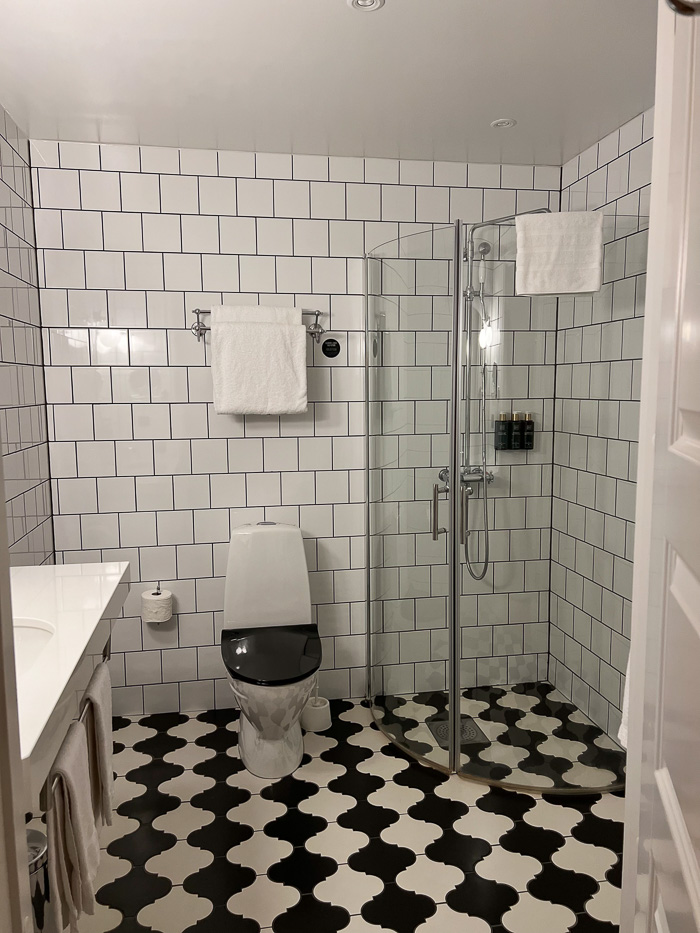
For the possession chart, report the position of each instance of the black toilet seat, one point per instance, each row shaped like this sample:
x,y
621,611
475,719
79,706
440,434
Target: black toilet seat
x,y
271,656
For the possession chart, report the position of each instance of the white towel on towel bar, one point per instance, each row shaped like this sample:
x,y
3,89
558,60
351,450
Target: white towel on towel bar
x,y
74,849
258,369
255,314
559,254
98,726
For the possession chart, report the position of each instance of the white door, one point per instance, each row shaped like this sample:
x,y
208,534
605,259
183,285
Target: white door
x,y
661,882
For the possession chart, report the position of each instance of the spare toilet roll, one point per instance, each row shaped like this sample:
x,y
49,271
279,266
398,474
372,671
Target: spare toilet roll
x,y
156,607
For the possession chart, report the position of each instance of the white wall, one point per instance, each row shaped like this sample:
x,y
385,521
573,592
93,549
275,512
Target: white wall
x,y
130,240
599,364
23,433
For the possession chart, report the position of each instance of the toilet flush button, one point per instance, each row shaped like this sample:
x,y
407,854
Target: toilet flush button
x,y
266,523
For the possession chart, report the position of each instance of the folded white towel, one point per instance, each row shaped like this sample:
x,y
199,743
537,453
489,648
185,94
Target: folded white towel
x,y
98,725
74,849
255,314
258,369
559,254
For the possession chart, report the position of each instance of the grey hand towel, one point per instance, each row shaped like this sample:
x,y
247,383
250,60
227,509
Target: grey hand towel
x,y
74,849
98,725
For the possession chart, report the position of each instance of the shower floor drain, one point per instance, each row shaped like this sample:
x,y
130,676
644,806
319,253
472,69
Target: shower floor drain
x,y
469,731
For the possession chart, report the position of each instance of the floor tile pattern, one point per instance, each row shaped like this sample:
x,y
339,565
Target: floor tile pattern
x,y
530,736
360,838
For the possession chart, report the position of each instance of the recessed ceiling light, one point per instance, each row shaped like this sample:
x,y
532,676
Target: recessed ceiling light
x,y
503,123
367,6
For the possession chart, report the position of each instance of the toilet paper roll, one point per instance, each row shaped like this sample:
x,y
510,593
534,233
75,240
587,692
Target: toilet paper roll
x,y
156,607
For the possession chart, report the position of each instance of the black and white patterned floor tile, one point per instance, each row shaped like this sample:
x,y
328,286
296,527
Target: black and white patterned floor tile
x,y
527,735
361,838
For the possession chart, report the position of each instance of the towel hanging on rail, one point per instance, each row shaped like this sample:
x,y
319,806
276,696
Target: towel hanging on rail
x,y
74,849
559,254
258,361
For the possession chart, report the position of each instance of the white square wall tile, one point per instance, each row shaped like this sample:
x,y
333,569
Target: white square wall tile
x,y
144,271
179,194
328,200
79,155
117,158
122,231
183,272
363,202
255,197
450,174
343,168
64,268
273,165
59,188
198,162
161,233
234,164
82,229
104,270
382,171
220,273
140,193
257,273
200,234
292,199
160,160
310,167
100,191
412,172
217,196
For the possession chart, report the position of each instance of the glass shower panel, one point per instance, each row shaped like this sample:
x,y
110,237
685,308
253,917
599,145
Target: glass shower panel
x,y
409,318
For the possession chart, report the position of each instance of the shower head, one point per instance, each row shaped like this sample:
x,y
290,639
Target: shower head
x,y
484,249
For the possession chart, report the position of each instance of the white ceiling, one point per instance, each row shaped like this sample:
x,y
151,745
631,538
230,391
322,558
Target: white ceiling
x,y
417,79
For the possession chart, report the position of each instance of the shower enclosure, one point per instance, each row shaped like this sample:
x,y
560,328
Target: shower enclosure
x,y
459,534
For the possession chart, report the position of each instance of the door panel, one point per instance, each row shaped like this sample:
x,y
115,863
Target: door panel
x,y
661,889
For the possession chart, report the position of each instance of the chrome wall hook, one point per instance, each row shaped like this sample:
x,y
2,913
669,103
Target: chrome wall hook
x,y
315,330
199,328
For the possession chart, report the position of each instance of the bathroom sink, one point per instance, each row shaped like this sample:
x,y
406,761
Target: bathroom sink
x,y
31,637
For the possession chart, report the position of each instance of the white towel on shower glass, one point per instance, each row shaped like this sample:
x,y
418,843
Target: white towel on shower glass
x,y
559,254
258,368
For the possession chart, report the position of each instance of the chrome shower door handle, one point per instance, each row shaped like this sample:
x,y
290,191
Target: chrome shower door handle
x,y
438,490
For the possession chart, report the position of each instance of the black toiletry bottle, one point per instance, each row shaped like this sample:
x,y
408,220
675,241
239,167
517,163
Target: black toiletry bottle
x,y
528,432
501,431
516,437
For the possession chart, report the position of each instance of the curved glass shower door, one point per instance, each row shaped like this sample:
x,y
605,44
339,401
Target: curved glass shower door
x,y
409,391
464,661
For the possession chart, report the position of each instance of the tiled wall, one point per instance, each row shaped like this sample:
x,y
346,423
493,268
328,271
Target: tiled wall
x,y
505,616
23,433
599,353
130,240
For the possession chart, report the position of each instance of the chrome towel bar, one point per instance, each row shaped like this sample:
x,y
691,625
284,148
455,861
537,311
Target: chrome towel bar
x,y
314,330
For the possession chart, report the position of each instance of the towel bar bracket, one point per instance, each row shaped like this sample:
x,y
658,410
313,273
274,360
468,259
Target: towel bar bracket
x,y
315,330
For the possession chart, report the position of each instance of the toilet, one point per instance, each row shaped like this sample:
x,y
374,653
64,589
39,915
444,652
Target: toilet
x,y
270,647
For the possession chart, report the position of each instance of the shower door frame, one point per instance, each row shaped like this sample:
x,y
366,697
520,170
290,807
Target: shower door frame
x,y
461,345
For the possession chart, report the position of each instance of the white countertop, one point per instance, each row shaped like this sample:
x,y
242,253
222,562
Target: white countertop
x,y
74,599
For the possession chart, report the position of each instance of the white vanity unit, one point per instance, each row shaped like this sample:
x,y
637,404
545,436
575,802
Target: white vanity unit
x,y
62,617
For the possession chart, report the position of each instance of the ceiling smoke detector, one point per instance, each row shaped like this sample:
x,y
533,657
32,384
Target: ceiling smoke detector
x,y
504,123
366,6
